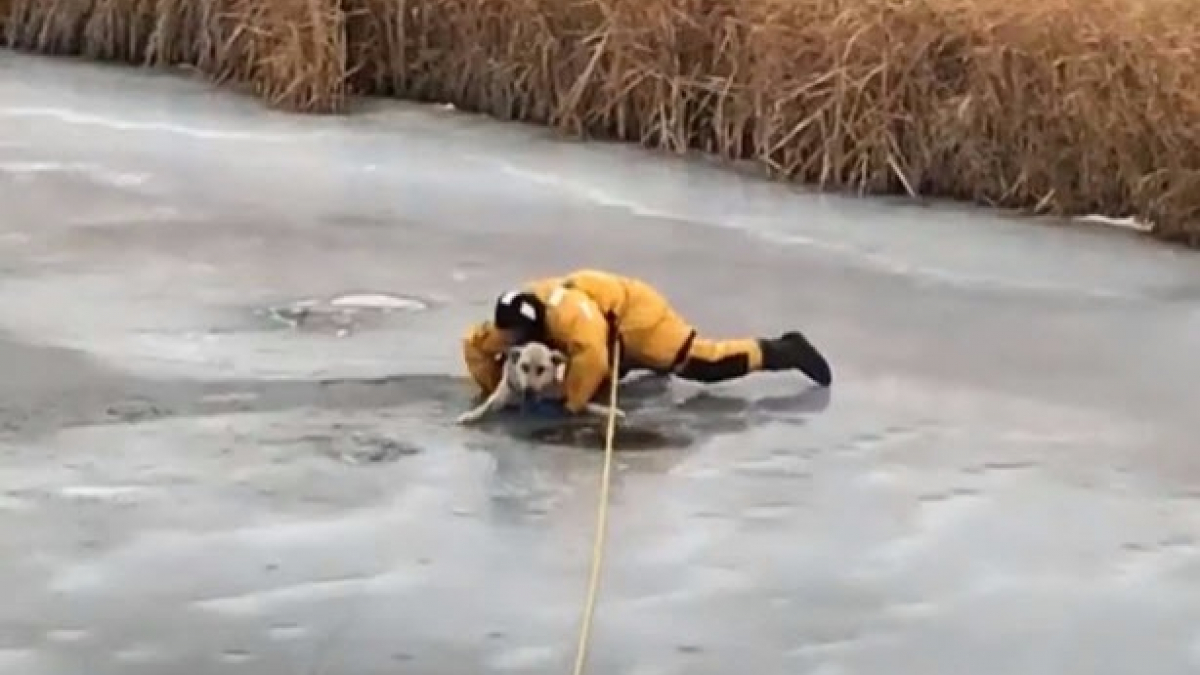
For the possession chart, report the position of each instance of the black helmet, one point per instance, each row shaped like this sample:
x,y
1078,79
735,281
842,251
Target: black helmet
x,y
523,313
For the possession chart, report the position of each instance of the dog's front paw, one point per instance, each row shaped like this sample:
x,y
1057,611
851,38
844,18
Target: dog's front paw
x,y
604,411
467,417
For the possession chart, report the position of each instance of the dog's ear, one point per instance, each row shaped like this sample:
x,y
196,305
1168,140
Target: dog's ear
x,y
513,354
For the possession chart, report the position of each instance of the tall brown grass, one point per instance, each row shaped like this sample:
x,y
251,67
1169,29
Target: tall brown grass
x,y
290,52
1056,106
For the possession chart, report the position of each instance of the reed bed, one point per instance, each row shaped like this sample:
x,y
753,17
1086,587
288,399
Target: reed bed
x,y
289,52
1064,107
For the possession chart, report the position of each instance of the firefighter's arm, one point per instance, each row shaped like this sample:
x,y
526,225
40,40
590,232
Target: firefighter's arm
x,y
482,346
588,364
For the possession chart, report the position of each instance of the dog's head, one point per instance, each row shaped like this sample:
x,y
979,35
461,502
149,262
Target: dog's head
x,y
535,368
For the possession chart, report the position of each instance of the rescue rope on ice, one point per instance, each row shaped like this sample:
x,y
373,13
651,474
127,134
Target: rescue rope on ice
x,y
589,607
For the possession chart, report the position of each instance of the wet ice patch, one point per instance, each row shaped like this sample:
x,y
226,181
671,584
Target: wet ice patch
x,y
361,448
591,436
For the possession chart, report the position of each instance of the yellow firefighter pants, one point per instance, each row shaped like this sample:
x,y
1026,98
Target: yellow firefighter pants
x,y
655,336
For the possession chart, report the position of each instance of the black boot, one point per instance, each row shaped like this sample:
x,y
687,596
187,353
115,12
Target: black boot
x,y
792,351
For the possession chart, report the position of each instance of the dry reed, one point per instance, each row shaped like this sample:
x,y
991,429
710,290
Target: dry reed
x,y
1056,106
290,52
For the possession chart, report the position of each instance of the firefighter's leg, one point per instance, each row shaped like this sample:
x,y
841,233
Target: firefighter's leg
x,y
658,337
709,360
719,360
670,345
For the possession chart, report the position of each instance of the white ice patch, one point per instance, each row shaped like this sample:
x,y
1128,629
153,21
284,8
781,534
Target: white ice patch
x,y
102,492
93,172
256,603
16,660
233,397
577,188
67,635
377,301
68,116
1129,223
158,214
524,658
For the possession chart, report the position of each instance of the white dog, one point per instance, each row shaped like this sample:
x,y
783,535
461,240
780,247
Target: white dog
x,y
532,370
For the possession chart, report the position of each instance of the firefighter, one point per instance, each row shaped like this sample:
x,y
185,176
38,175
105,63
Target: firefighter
x,y
583,313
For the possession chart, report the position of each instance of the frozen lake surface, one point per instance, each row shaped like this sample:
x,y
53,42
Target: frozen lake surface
x,y
229,358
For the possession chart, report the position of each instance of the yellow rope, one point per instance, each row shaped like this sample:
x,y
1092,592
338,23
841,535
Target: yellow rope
x,y
589,607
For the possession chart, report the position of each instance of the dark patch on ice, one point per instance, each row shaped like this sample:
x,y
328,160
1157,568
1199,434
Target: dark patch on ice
x,y
361,448
135,410
656,422
591,436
